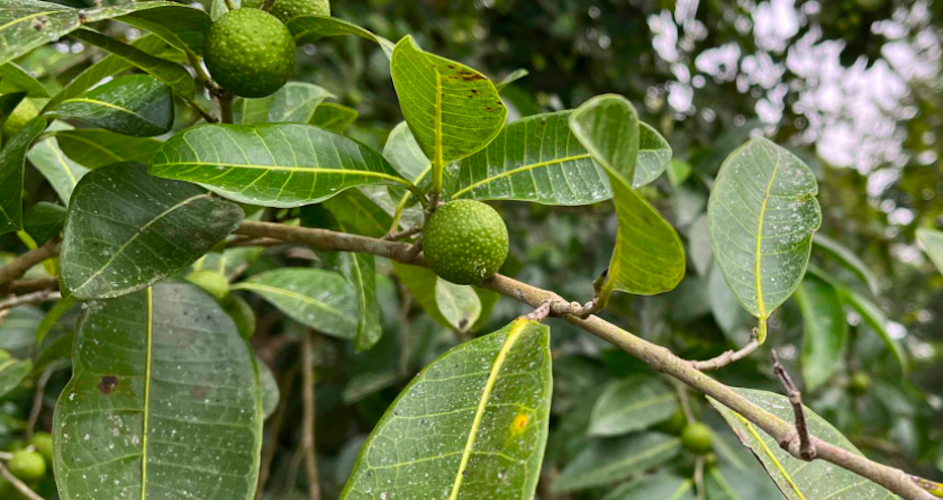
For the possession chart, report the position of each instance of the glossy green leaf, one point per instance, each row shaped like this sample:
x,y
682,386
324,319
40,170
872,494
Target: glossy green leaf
x,y
9,103
473,424
608,461
730,483
293,103
169,392
654,154
608,127
276,165
452,306
358,214
931,241
12,160
452,110
533,159
632,404
320,299
94,148
846,258
269,387
511,78
180,25
44,221
825,331
762,213
12,372
61,172
307,29
798,479
16,79
137,105
663,485
404,153
334,117
127,230
875,318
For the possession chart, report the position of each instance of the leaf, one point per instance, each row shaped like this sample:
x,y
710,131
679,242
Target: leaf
x,y
294,103
169,392
932,243
307,29
846,258
473,424
275,165
608,127
663,485
608,461
404,153
796,478
453,306
44,221
180,25
533,159
825,331
269,387
61,172
127,230
334,117
875,318
12,372
96,148
654,154
320,299
762,213
12,160
358,214
15,79
9,103
631,404
729,483
511,78
452,110
137,105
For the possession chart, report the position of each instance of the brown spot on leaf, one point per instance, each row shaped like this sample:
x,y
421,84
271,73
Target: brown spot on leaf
x,y
199,392
470,76
108,384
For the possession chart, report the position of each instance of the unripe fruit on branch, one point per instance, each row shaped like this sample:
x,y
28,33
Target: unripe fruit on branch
x,y
465,242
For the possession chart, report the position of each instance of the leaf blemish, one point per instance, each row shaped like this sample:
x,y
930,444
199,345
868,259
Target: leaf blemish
x,y
108,384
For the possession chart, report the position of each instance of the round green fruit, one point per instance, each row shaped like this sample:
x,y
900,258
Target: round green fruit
x,y
21,115
212,281
860,383
286,10
249,52
27,465
674,425
465,242
42,441
696,438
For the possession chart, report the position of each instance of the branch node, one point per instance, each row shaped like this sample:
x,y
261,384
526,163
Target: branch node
x,y
541,313
806,448
729,356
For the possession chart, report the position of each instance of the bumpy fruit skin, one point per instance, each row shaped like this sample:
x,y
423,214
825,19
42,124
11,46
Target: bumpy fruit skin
x,y
23,113
27,466
696,438
465,242
249,52
286,10
43,443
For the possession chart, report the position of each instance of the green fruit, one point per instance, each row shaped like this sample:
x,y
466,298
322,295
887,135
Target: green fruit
x,y
696,438
249,52
212,281
860,383
465,242
674,425
27,465
22,115
42,441
241,312
286,10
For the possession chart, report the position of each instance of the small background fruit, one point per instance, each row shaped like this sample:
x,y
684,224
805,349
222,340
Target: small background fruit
x,y
212,281
674,424
27,465
42,441
249,52
23,113
465,242
696,438
286,10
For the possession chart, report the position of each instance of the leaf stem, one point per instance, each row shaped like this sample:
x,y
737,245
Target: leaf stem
x,y
224,100
230,6
22,488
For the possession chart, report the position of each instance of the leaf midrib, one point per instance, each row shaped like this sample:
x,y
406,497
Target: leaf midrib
x,y
523,168
292,295
147,390
760,303
105,104
283,168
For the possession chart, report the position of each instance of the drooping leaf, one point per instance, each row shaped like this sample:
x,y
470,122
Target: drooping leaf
x,y
473,424
16,79
825,331
846,258
334,117
654,154
269,387
762,213
452,110
608,127
94,148
632,404
307,29
12,160
663,485
452,306
61,172
798,479
276,165
127,230
12,372
320,299
875,318
608,461
180,25
932,243
169,392
137,105
533,159
293,103
44,221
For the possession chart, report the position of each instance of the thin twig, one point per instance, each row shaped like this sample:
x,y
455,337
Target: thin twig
x,y
38,398
728,357
18,266
699,478
541,312
230,5
806,448
33,285
22,488
308,440
30,298
402,235
684,400
224,100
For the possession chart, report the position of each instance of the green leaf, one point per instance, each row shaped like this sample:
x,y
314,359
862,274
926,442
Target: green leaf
x,y
730,483
334,117
654,155
632,404
9,103
796,478
275,165
320,299
452,306
127,230
358,214
95,148
12,160
608,461
511,78
533,159
169,392
404,153
663,485
137,105
473,424
61,172
12,372
931,241
846,258
44,221
294,103
762,213
15,79
452,110
608,127
269,386
307,29
875,318
825,331
180,25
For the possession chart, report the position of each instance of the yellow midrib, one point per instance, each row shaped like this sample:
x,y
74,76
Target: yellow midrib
x,y
522,168
285,168
147,389
439,163
760,304
772,457
106,105
513,335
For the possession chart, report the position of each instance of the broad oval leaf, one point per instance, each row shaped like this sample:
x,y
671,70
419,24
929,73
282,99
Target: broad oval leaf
x,y
307,29
798,479
654,155
334,117
12,372
762,213
825,330
168,392
137,105
608,461
846,258
452,306
533,159
127,230
293,103
275,165
932,243
663,485
452,110
608,127
404,153
94,148
320,299
180,25
9,103
44,221
12,161
61,172
473,424
15,79
632,404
